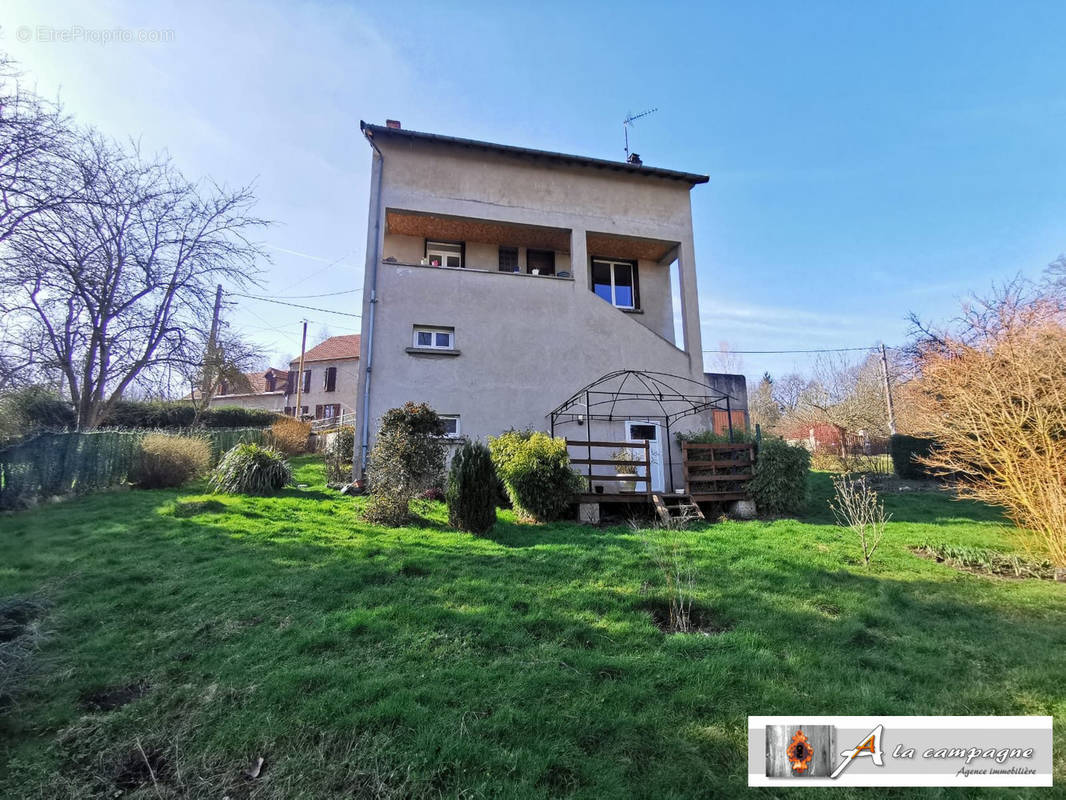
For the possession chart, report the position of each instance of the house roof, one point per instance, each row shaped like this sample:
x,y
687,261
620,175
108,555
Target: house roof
x,y
372,131
335,347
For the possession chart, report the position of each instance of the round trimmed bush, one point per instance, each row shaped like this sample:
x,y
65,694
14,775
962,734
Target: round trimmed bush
x,y
536,470
471,490
252,469
165,461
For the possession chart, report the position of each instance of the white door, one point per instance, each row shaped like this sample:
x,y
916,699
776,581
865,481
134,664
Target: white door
x,y
637,431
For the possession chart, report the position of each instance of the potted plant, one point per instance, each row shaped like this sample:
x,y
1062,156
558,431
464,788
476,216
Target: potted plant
x,y
628,468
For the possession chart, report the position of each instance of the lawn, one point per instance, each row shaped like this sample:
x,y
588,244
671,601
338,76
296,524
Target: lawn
x,y
195,634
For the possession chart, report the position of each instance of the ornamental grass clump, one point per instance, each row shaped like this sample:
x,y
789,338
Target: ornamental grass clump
x,y
291,436
164,461
251,469
472,489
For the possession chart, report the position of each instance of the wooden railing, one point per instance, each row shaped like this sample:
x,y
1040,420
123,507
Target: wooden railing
x,y
717,471
596,459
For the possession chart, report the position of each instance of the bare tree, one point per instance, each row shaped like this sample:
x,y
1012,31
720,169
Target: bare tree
x,y
112,281
725,360
847,396
788,391
34,142
764,410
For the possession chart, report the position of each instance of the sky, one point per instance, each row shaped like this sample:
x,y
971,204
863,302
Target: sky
x,y
865,159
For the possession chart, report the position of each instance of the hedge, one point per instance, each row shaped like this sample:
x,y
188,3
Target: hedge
x,y
160,415
779,485
904,450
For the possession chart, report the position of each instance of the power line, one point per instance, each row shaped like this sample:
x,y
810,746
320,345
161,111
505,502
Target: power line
x,y
788,352
297,305
327,294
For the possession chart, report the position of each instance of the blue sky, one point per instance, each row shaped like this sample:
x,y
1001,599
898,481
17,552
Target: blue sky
x,y
865,159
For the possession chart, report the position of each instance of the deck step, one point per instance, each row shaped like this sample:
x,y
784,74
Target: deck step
x,y
676,506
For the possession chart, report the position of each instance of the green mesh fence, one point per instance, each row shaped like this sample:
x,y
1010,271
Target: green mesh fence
x,y
50,464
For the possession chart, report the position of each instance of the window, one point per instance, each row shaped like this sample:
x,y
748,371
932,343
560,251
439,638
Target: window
x,y
270,381
451,425
615,282
444,254
543,261
290,383
508,259
435,338
288,411
328,411
329,384
307,380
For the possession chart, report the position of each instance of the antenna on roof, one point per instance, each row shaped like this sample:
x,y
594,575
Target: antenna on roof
x,y
629,120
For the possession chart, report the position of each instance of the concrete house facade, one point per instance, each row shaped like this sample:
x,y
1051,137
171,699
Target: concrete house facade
x,y
500,281
330,377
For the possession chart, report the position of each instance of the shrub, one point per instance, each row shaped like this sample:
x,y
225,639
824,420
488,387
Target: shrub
x,y
339,455
905,449
535,468
858,508
406,460
290,436
133,414
471,490
740,436
780,482
164,461
251,469
237,417
32,407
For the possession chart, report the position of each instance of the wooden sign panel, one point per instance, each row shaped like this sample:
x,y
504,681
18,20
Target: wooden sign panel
x,y
800,751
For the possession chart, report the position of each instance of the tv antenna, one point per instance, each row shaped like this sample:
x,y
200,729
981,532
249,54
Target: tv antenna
x,y
629,120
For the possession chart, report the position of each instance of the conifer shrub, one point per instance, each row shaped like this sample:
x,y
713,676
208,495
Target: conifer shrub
x,y
471,489
779,485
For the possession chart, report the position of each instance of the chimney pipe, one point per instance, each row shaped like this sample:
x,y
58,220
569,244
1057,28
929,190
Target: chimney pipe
x,y
393,123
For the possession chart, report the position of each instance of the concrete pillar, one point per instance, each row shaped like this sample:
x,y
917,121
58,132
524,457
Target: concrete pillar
x,y
690,303
588,513
579,258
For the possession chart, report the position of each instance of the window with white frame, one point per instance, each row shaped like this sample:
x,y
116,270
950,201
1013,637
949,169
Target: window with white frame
x,y
615,282
434,338
444,254
451,425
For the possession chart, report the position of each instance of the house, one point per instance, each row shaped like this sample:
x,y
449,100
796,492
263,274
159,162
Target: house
x,y
501,283
329,380
329,384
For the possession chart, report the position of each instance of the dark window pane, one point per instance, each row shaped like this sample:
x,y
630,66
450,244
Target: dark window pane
x,y
642,432
541,260
508,259
444,339
601,280
425,339
623,285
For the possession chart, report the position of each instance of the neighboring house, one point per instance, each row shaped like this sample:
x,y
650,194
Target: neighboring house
x,y
329,379
500,281
329,384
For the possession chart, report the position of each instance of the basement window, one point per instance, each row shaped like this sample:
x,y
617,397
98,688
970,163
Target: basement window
x,y
444,254
434,338
615,282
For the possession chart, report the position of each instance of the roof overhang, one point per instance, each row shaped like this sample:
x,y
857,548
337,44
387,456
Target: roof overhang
x,y
543,156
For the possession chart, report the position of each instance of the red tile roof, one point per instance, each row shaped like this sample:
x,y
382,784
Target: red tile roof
x,y
333,348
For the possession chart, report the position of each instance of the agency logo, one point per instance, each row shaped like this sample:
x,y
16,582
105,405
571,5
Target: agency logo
x,y
900,751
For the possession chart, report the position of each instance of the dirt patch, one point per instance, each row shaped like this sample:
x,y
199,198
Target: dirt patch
x,y
112,697
701,620
147,766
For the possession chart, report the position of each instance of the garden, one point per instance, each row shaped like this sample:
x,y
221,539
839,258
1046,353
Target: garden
x,y
253,633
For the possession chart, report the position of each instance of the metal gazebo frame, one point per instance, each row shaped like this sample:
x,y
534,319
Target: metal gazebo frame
x,y
602,405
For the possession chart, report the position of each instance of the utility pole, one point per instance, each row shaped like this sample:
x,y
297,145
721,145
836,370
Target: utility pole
x,y
211,356
888,392
300,376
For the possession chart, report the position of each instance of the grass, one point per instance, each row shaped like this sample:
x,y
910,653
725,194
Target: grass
x,y
187,635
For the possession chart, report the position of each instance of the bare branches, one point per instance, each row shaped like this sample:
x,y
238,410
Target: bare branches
x,y
857,507
113,285
994,399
